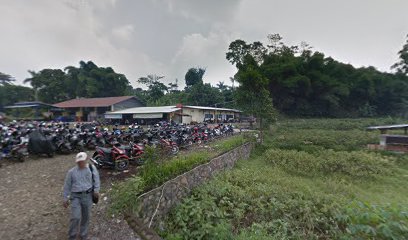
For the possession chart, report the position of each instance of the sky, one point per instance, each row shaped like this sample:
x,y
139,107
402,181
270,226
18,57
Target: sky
x,y
167,37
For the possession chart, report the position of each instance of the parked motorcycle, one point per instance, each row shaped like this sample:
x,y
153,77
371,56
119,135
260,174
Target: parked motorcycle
x,y
114,157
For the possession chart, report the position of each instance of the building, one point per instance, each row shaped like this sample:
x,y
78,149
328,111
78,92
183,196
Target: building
x,y
209,114
32,110
143,115
179,114
90,109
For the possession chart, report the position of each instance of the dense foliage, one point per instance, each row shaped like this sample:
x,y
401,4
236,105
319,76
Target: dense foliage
x,y
303,82
284,192
10,93
196,92
87,80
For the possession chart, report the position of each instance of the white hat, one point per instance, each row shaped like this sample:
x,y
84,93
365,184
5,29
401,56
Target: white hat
x,y
81,157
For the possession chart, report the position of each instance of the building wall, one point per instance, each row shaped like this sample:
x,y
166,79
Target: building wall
x,y
130,103
197,115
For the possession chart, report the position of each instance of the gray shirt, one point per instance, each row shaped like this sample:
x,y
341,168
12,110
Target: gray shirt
x,y
80,180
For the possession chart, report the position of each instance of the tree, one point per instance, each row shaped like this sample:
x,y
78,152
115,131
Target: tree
x,y
10,94
203,94
402,65
252,94
306,83
48,85
5,79
194,76
156,89
89,80
221,86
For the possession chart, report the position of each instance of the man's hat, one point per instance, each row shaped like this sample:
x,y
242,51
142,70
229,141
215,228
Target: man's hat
x,y
81,157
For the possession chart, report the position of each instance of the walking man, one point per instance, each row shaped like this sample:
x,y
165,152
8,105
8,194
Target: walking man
x,y
81,184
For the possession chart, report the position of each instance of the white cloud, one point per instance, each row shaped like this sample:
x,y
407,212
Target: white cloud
x,y
197,50
123,32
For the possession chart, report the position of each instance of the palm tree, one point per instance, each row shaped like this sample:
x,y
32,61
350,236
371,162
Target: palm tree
x,y
221,86
5,79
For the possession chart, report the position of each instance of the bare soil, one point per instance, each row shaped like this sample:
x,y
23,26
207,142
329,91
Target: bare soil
x,y
31,201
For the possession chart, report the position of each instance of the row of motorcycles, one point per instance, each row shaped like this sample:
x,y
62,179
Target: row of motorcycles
x,y
115,148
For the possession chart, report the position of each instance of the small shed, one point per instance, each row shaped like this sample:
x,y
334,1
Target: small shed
x,y
391,142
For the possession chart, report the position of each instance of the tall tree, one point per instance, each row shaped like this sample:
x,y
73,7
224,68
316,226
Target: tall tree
x,y
49,85
5,79
156,89
203,94
87,80
252,94
402,65
306,83
10,94
194,76
221,86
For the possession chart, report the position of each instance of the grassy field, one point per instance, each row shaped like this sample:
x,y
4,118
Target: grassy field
x,y
311,179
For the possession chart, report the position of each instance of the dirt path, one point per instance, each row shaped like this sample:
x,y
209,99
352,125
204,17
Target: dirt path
x,y
30,202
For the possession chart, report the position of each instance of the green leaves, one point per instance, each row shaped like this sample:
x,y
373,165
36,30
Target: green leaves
x,y
306,83
89,80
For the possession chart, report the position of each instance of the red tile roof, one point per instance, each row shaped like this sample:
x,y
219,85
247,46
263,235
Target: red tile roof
x,y
92,102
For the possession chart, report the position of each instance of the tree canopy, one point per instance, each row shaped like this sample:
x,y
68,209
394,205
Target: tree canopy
x,y
5,79
194,76
307,83
87,80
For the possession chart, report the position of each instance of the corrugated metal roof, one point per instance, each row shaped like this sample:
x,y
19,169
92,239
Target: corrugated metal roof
x,y
92,102
212,108
162,109
29,104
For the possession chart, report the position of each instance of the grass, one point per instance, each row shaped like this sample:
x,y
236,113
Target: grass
x,y
158,170
312,179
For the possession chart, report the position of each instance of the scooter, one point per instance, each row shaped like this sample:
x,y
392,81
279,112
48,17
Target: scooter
x,y
114,157
135,152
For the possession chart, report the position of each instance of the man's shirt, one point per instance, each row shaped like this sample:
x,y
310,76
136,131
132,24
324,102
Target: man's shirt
x,y
80,180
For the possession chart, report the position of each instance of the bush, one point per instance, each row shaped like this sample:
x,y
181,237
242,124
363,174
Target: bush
x,y
314,140
367,221
357,164
124,194
231,205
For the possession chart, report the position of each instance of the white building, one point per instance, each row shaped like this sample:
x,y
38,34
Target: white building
x,y
179,114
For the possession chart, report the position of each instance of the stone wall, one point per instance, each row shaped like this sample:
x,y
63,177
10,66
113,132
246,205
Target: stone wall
x,y
155,204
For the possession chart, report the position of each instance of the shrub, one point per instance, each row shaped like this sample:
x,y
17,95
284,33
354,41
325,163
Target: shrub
x,y
357,164
124,194
314,140
367,221
231,205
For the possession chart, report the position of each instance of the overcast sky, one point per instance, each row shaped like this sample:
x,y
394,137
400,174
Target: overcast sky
x,y
166,37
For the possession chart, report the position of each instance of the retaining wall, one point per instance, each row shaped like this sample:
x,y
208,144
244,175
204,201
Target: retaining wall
x,y
155,204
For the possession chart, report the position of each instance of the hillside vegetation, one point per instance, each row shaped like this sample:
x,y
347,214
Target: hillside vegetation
x,y
311,179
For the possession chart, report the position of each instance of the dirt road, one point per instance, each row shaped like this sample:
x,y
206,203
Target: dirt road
x,y
31,202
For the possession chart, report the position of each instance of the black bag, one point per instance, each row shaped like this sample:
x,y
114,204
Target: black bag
x,y
95,199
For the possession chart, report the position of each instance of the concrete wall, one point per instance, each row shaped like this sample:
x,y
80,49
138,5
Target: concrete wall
x,y
197,115
155,204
